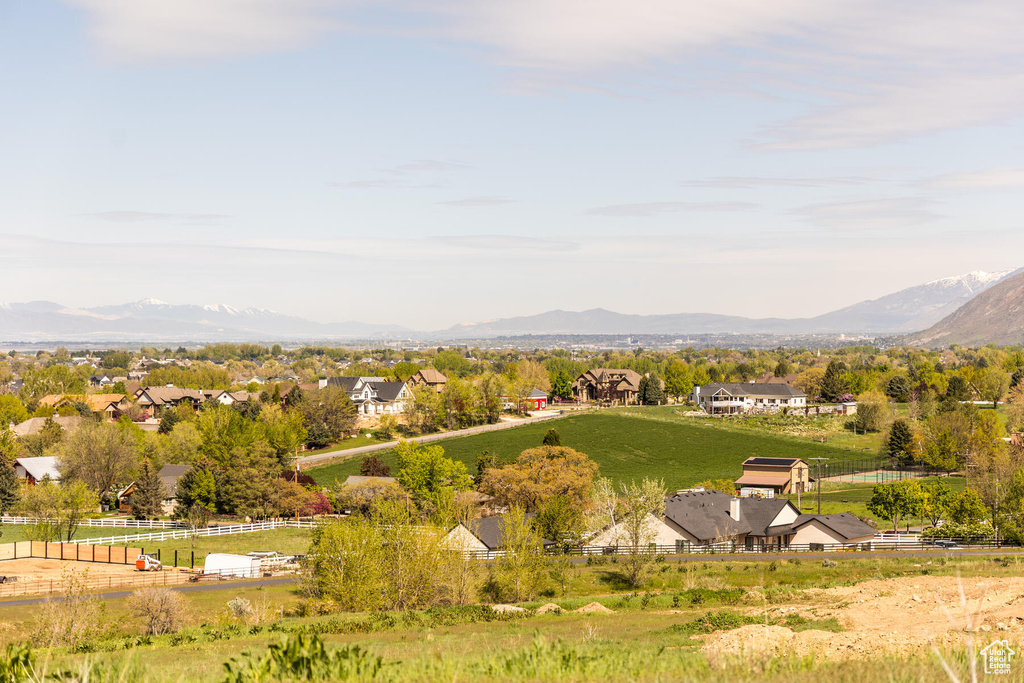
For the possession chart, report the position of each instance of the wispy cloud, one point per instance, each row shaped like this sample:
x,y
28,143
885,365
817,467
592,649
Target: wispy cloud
x,y
405,176
145,216
1001,178
755,182
659,208
869,214
479,201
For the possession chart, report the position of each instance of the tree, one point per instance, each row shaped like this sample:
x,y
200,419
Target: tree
x,y
783,368
898,389
162,610
937,497
551,438
331,407
362,498
424,470
967,507
942,452
896,500
991,474
318,436
560,519
639,503
59,510
386,427
958,389
197,487
9,489
833,384
149,495
678,380
900,444
12,411
102,455
373,466
561,385
1015,409
539,474
993,384
519,571
809,381
650,392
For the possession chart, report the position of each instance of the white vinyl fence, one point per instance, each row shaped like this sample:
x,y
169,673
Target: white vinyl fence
x,y
222,530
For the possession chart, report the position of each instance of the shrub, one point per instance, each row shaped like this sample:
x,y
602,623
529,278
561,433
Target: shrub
x,y
162,610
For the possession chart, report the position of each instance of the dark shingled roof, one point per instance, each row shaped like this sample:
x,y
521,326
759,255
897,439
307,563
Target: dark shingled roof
x,y
745,389
387,391
346,383
844,525
760,512
491,531
169,476
705,515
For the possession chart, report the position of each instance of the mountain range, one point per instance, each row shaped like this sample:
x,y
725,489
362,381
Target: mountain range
x,y
995,316
152,320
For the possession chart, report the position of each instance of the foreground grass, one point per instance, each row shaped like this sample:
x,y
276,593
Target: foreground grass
x,y
631,443
650,636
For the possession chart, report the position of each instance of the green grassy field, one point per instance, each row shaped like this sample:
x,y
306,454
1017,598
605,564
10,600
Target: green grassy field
x,y
839,497
632,443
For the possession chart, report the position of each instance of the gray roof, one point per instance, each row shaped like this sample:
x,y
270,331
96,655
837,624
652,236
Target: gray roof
x,y
845,525
387,391
747,389
705,515
760,512
346,383
537,393
772,462
169,476
491,530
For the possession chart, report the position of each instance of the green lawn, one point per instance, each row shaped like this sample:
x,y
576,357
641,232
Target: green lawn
x,y
632,443
17,532
345,445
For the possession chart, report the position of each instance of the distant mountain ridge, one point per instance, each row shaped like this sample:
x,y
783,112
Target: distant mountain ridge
x,y
153,320
904,311
996,316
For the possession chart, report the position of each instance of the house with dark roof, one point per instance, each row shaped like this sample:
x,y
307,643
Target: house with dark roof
x,y
730,398
769,477
696,520
485,535
611,385
374,395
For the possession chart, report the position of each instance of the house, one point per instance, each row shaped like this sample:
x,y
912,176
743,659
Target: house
x,y
484,535
155,399
169,476
374,395
34,425
696,520
769,477
33,470
110,406
100,381
536,400
429,377
729,398
607,385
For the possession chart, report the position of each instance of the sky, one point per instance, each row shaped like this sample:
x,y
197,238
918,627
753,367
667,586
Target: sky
x,y
426,164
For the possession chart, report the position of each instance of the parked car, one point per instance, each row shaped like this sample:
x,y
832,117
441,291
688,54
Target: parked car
x,y
947,545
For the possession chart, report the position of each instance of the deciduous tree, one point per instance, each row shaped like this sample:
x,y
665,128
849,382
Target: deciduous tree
x,y
539,474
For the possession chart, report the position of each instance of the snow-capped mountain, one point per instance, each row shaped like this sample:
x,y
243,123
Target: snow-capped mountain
x,y
152,319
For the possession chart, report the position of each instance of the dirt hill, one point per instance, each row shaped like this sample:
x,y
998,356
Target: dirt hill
x,y
994,316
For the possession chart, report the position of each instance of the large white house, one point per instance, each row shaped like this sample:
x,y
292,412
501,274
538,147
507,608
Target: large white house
x,y
373,395
727,398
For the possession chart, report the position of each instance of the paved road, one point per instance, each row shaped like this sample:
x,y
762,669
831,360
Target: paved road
x,y
189,588
306,460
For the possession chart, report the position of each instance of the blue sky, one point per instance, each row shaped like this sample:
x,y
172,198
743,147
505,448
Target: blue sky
x,y
434,163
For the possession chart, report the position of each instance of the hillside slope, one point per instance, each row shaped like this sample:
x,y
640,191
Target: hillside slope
x,y
995,316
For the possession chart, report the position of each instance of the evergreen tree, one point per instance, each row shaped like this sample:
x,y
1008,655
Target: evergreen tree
x,y
552,438
1017,377
783,368
319,436
957,388
561,385
900,444
197,486
147,500
650,392
833,384
168,419
8,489
898,389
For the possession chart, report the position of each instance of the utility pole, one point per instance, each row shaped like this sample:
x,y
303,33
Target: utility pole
x,y
818,483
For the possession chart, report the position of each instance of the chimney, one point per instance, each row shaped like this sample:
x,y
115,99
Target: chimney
x,y
734,509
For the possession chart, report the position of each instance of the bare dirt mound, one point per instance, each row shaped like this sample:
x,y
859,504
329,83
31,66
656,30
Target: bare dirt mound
x,y
893,616
594,608
550,607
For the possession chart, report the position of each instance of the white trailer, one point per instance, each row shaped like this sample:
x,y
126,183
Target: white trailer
x,y
227,565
